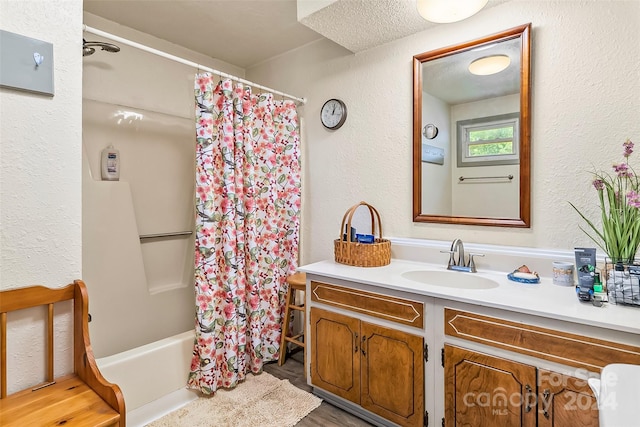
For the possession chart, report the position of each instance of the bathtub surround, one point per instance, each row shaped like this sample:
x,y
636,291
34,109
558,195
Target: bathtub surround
x,y
149,296
260,400
247,226
135,279
147,394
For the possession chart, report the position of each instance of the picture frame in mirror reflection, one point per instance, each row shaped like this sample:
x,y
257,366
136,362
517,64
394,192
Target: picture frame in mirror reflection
x,y
446,92
432,154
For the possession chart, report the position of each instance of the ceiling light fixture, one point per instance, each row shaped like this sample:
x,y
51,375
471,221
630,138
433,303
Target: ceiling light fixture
x,y
489,65
446,11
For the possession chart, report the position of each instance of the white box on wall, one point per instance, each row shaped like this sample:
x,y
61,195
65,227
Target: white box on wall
x,y
26,63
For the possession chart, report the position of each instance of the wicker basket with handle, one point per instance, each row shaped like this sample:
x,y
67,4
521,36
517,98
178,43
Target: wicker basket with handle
x,y
357,254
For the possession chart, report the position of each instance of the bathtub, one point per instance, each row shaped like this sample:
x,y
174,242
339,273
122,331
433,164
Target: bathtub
x,y
152,377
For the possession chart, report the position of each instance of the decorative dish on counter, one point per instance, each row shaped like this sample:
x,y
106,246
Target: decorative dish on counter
x,y
523,275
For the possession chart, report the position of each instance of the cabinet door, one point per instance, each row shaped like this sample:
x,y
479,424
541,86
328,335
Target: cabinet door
x,y
565,401
335,353
488,391
392,374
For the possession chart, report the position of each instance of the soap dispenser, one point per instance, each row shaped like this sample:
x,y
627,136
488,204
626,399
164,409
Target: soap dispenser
x,y
110,161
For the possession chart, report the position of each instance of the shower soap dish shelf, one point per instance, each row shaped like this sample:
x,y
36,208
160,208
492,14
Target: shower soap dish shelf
x,y
358,254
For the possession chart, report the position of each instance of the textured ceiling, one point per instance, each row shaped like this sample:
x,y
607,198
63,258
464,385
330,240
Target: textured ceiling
x,y
247,32
362,24
449,79
240,32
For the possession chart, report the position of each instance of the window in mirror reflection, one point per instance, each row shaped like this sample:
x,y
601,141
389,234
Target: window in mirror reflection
x,y
488,141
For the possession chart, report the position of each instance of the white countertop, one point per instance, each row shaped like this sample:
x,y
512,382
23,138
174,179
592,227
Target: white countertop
x,y
542,299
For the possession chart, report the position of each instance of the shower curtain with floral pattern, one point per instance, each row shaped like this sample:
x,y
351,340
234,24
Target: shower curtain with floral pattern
x,y
247,227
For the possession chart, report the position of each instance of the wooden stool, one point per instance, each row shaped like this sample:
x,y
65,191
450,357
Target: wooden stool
x,y
297,282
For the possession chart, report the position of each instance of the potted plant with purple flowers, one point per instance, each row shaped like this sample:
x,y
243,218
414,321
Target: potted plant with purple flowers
x,y
619,198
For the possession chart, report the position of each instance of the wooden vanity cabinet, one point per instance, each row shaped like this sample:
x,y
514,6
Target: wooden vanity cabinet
x,y
486,391
367,346
335,353
379,368
565,401
550,399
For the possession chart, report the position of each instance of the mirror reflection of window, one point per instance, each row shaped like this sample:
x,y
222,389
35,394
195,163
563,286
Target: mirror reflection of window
x,y
488,141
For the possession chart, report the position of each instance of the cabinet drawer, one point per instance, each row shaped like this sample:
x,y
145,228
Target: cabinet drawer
x,y
385,307
569,349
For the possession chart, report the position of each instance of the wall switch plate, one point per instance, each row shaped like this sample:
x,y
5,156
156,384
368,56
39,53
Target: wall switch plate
x,y
26,63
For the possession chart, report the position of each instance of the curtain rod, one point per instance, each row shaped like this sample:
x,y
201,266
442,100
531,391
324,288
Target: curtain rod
x,y
186,62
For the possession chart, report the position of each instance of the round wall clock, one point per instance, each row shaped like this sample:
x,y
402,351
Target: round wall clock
x,y
430,131
333,114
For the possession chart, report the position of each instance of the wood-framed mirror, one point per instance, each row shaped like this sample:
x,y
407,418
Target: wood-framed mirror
x,y
476,169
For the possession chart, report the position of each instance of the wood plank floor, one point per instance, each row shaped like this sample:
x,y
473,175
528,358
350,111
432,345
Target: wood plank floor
x,y
325,415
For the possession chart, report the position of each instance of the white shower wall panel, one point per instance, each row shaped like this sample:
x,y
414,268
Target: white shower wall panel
x,y
140,292
141,289
157,159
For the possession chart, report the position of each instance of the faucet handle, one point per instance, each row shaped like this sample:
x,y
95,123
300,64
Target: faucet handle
x,y
472,264
452,260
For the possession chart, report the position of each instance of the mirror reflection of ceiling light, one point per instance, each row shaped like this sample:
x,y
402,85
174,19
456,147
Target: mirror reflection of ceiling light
x,y
489,65
128,116
445,11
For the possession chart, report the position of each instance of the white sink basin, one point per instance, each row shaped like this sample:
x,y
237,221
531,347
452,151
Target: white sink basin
x,y
450,279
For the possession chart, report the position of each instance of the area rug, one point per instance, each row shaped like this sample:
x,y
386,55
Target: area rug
x,y
261,400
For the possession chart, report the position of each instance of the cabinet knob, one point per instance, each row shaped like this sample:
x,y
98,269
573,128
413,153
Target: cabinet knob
x,y
528,405
356,342
545,402
364,340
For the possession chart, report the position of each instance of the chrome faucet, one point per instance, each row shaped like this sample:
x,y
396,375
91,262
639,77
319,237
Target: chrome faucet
x,y
460,264
458,246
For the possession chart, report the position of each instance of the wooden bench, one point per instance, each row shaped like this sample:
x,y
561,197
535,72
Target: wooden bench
x,y
83,398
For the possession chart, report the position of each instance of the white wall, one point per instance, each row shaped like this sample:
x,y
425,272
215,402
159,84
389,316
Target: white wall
x,y
40,167
40,180
436,179
585,103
